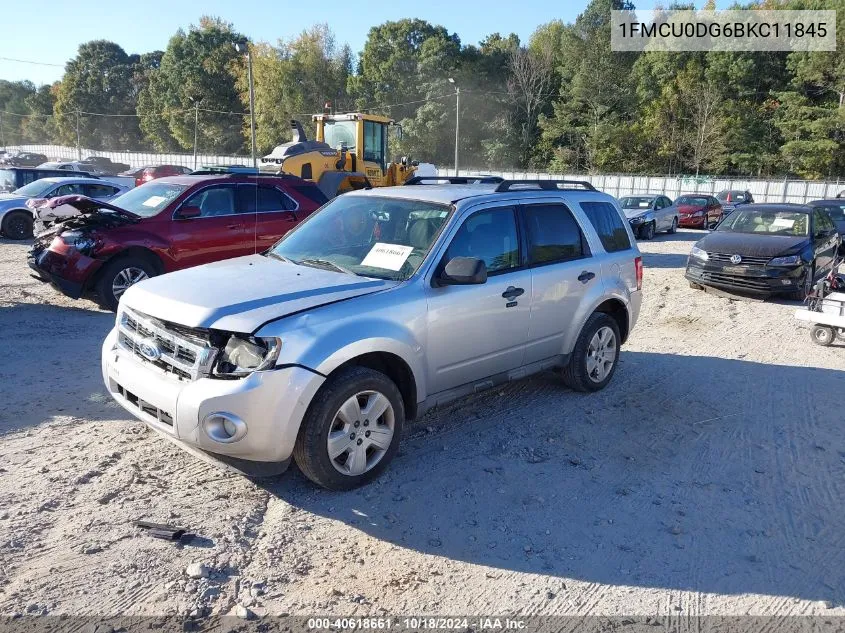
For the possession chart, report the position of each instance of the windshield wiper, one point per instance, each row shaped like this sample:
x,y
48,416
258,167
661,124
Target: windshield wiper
x,y
277,256
324,264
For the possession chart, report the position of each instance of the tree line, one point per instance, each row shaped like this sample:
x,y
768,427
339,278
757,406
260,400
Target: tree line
x,y
562,101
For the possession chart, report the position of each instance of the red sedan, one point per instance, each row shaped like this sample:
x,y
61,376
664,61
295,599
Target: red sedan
x,y
698,211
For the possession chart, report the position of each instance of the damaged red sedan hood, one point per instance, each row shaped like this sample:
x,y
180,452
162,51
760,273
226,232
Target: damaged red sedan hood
x,y
83,204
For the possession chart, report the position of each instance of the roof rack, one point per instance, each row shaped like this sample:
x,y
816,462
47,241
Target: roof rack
x,y
546,185
207,170
456,180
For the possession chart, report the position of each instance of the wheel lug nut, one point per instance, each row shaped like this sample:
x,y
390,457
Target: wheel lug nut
x,y
351,436
360,441
367,434
357,424
366,423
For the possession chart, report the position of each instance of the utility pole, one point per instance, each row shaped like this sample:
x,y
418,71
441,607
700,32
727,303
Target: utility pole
x,y
457,120
2,134
243,47
78,143
196,125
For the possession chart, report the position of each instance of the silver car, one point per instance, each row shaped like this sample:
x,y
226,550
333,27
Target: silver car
x,y
383,304
17,220
650,213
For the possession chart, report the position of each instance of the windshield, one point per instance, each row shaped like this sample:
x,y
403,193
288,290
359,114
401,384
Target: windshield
x,y
636,202
692,201
34,189
147,200
766,221
337,132
371,236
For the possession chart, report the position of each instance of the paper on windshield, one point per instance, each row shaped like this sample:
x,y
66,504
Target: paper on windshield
x,y
153,201
387,256
783,223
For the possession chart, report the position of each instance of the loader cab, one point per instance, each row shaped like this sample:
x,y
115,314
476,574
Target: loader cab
x,y
363,136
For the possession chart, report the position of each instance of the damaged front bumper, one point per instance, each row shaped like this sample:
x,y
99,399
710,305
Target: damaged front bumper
x,y
269,404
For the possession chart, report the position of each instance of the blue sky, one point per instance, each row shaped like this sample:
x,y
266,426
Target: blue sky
x,y
50,31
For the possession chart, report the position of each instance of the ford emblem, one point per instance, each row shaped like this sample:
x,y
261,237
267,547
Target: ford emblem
x,y
148,348
735,259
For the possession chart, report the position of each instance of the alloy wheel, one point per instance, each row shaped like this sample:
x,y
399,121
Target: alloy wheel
x,y
361,433
601,354
125,278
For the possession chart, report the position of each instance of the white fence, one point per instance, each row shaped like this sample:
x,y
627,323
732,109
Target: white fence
x,y
135,159
798,191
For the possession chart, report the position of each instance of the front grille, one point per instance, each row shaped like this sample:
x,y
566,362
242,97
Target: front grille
x,y
737,281
145,407
177,351
725,258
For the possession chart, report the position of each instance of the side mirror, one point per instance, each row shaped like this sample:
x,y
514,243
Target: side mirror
x,y
186,213
463,271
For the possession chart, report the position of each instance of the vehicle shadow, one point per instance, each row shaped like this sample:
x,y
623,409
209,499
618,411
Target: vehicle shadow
x,y
686,473
665,260
58,362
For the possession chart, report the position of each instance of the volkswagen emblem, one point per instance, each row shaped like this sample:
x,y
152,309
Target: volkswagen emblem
x,y
148,348
735,259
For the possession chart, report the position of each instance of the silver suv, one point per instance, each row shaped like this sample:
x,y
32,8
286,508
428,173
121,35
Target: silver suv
x,y
384,304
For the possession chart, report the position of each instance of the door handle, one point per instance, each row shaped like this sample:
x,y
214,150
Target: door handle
x,y
512,293
232,227
585,276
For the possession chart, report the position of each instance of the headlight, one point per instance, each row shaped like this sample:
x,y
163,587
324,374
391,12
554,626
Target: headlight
x,y
699,253
791,260
243,355
83,242
698,214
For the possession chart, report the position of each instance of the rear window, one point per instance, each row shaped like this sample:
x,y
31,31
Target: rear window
x,y
608,224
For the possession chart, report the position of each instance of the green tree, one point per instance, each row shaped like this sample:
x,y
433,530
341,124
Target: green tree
x,y
40,125
98,80
200,66
13,110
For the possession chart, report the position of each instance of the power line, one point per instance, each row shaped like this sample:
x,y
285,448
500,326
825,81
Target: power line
x,y
29,61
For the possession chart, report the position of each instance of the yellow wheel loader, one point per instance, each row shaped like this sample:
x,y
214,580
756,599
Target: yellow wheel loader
x,y
350,152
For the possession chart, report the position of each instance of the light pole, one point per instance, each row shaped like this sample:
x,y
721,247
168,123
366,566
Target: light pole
x,y
244,48
457,120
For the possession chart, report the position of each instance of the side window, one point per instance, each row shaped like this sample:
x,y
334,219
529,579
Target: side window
x,y
213,201
271,199
553,234
68,190
490,236
666,202
99,191
608,224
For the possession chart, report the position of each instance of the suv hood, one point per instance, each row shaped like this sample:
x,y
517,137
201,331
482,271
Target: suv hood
x,y
241,294
752,244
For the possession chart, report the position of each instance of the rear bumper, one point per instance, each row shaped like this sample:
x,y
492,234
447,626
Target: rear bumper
x,y
751,279
271,404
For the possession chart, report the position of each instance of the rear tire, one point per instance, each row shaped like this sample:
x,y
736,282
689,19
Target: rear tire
x,y
118,275
822,335
695,286
17,225
595,356
337,411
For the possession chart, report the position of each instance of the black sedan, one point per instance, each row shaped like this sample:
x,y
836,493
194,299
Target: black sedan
x,y
836,210
766,249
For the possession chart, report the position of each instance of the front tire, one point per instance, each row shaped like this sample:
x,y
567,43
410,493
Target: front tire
x,y
648,231
352,429
596,354
17,225
118,275
806,287
674,228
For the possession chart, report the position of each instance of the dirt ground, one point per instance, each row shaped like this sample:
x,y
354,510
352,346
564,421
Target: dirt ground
x,y
708,478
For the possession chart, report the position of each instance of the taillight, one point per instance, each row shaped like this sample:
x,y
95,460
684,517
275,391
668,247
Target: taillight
x,y
638,264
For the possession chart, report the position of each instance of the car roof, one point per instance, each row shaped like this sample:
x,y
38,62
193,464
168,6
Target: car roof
x,y
778,206
483,192
642,195
77,179
190,179
836,201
